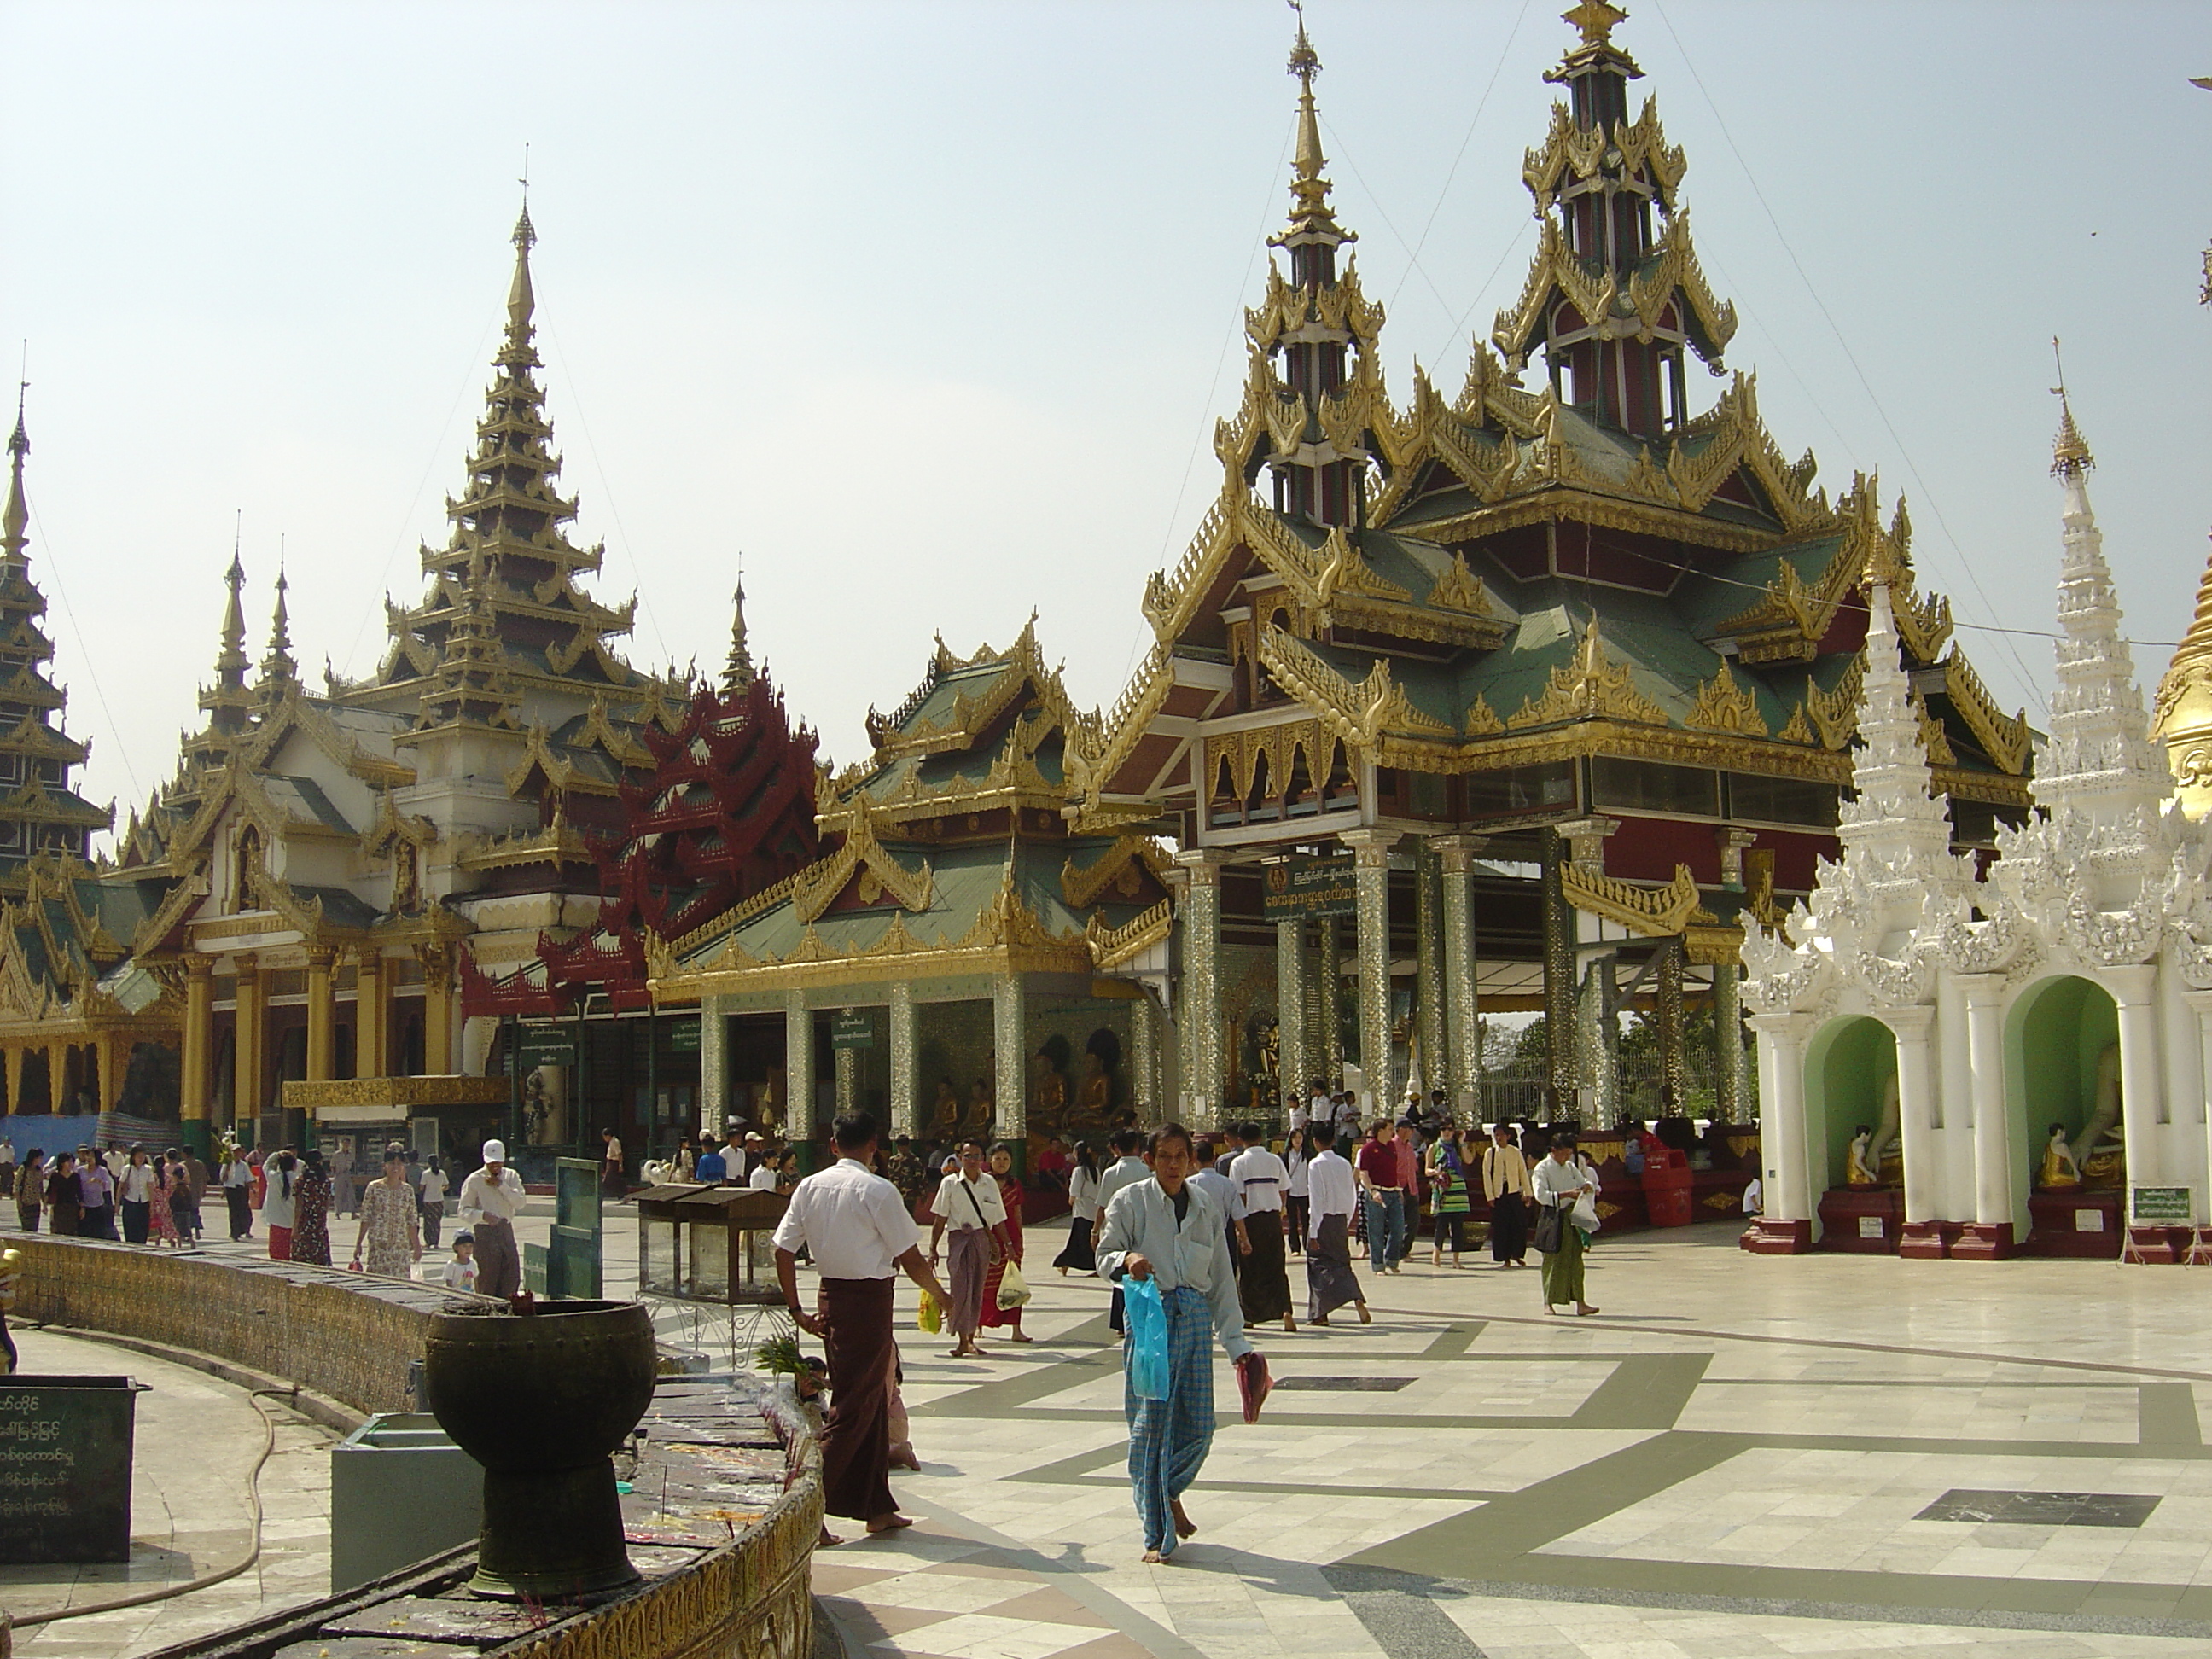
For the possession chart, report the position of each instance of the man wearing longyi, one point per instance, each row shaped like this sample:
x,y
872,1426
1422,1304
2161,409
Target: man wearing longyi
x,y
1167,1230
856,1229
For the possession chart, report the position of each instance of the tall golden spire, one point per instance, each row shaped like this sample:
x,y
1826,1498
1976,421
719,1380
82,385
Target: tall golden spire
x,y
1310,217
16,517
737,674
277,668
228,703
522,299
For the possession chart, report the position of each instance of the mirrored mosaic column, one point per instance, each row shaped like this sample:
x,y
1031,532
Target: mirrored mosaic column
x,y
1009,1056
1294,1070
1200,1027
1462,1021
798,1062
1330,971
714,1067
848,1078
1428,996
1728,1104
1144,1060
901,1058
1371,857
1669,1000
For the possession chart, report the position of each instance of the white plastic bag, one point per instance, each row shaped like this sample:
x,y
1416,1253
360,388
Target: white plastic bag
x,y
1585,1213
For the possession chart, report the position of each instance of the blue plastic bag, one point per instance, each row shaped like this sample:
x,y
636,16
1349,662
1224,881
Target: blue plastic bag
x,y
1146,1317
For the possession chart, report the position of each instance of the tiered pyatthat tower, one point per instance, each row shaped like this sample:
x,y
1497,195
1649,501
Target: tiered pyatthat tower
x,y
510,558
39,812
1615,296
1617,637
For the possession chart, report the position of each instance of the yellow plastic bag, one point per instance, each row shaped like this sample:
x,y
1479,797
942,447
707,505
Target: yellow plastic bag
x,y
930,1317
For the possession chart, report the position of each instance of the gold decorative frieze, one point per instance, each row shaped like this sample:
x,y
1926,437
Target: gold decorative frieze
x,y
1724,705
1654,912
1589,688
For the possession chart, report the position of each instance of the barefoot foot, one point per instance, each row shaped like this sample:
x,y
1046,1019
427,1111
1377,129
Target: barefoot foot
x,y
890,1523
1185,1527
1365,1317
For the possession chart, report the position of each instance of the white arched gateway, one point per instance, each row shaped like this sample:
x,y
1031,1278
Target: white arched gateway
x,y
1974,1064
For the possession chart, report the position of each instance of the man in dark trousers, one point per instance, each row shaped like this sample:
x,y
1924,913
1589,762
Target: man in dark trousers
x,y
856,1229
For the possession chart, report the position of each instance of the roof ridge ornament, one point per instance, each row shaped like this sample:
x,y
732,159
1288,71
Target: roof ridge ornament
x,y
1596,20
2070,452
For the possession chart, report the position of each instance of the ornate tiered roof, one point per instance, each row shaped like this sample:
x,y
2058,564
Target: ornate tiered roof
x,y
39,810
1521,574
505,581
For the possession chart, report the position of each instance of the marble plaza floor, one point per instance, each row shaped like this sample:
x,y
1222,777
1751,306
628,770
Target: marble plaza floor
x,y
1742,1455
196,1443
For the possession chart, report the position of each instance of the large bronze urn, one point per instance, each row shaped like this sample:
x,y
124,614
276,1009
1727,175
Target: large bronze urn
x,y
541,1399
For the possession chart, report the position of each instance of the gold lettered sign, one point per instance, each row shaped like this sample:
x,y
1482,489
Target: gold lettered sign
x,y
1297,888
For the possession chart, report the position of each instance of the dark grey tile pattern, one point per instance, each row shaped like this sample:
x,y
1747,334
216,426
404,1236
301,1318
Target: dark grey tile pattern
x,y
2041,1509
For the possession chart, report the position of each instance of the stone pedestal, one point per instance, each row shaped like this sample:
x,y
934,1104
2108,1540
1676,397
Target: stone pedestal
x,y
1767,1236
2074,1221
1928,1241
1983,1240
1861,1220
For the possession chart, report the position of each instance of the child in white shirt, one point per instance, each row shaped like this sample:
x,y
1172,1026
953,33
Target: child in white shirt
x,y
460,1273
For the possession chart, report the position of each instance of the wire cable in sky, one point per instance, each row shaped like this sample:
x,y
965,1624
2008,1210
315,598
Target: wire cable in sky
x,y
1927,495
91,662
1481,104
407,531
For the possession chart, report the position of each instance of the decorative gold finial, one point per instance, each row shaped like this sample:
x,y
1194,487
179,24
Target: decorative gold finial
x,y
2069,452
1595,19
1309,190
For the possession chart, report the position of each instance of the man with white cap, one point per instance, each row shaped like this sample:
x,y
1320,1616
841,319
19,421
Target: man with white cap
x,y
490,1199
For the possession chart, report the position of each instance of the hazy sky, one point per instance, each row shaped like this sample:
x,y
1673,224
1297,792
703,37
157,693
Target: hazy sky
x,y
929,310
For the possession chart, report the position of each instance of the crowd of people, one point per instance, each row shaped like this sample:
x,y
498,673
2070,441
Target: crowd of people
x,y
131,1195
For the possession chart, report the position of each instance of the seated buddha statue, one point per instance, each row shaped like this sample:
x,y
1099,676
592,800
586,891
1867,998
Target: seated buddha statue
x,y
2103,1144
2059,1167
944,1112
1094,1097
1857,1172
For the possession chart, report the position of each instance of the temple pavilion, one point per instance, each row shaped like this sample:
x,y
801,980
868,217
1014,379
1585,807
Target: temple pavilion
x,y
963,959
1520,699
293,912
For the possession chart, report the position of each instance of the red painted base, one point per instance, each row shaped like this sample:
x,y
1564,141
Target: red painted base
x,y
1927,1241
1983,1241
2159,1246
1861,1220
1768,1236
2075,1223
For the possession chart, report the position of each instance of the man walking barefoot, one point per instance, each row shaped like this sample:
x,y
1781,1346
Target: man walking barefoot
x,y
967,1202
1168,1231
855,1228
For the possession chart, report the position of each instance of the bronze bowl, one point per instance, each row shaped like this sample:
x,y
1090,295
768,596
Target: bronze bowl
x,y
540,1399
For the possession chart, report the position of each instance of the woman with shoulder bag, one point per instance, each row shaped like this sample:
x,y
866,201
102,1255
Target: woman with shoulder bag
x,y
1559,1181
31,1189
1010,1194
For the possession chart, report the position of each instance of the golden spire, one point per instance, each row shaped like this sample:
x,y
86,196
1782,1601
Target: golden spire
x,y
16,517
277,668
737,672
521,301
2070,452
1310,209
230,664
1595,19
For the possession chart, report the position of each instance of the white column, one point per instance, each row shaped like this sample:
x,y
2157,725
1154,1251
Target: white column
x,y
1011,1057
1370,854
1995,1196
1782,1136
1462,1021
2142,1088
1916,1101
2200,1004
797,1064
902,1094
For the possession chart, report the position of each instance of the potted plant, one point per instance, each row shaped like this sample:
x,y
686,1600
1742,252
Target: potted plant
x,y
779,1356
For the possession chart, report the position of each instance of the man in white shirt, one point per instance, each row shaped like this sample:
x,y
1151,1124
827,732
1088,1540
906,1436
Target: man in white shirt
x,y
490,1199
968,1203
763,1179
1331,1192
1127,1168
1263,1276
855,1228
1171,1231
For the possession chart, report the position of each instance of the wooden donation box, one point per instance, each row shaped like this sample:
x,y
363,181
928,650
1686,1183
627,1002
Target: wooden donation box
x,y
709,1243
65,1468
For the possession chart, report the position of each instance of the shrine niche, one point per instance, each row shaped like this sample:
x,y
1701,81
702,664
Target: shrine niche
x,y
2052,1006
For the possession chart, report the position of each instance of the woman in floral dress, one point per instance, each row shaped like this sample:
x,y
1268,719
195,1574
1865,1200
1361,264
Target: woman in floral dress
x,y
163,1221
390,1241
311,1209
1002,1166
